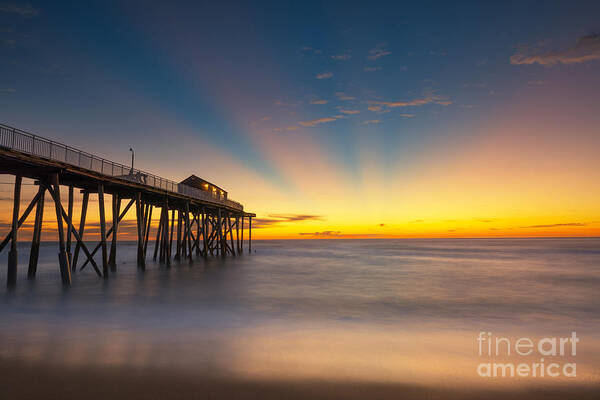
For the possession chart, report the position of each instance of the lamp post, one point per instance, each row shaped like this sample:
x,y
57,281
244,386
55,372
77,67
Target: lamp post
x,y
132,155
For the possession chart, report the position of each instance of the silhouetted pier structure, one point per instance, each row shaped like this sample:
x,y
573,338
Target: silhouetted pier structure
x,y
195,217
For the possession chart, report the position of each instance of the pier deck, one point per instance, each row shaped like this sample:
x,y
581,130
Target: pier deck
x,y
208,223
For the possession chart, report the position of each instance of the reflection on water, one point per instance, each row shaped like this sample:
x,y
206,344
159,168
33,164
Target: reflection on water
x,y
362,310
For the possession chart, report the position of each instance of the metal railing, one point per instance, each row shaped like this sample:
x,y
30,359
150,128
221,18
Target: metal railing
x,y
25,142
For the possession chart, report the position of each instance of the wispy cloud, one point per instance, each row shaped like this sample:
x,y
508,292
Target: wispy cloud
x,y
318,101
556,225
325,75
350,112
407,115
371,121
371,69
341,57
318,121
8,90
340,235
377,109
378,51
430,98
587,48
277,219
321,234
21,9
343,96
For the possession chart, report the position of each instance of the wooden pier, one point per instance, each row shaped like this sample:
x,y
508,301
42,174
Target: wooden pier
x,y
205,220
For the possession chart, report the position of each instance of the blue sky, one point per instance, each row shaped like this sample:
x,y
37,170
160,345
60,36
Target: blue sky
x,y
253,81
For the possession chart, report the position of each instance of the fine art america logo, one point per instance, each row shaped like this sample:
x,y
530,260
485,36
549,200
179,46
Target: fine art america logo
x,y
549,355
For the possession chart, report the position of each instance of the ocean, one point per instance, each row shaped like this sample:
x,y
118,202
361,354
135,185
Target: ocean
x,y
405,313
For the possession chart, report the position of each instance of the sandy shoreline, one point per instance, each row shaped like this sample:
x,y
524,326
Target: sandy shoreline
x,y
31,380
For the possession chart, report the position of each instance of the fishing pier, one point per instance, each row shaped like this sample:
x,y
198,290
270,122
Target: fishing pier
x,y
195,217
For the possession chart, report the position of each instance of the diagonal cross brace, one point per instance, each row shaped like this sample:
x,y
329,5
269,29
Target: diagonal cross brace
x,y
110,231
73,230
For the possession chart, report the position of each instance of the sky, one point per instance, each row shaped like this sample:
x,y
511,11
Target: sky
x,y
327,119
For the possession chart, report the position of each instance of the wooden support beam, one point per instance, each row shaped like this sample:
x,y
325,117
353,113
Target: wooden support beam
x,y
197,241
171,233
158,234
178,245
103,230
11,278
209,218
116,205
188,229
220,247
148,221
249,234
26,213
110,231
242,244
37,233
84,205
230,233
141,260
237,233
65,270
161,241
70,214
56,195
204,233
166,234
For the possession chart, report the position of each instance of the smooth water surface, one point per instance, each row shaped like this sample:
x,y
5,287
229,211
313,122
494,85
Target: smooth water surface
x,y
358,310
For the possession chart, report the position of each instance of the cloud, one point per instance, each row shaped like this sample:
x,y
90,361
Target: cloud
x,y
325,75
555,225
341,57
378,52
343,96
21,9
314,122
382,225
430,98
321,234
276,219
587,48
371,121
318,101
8,90
349,111
372,69
407,115
417,221
292,128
